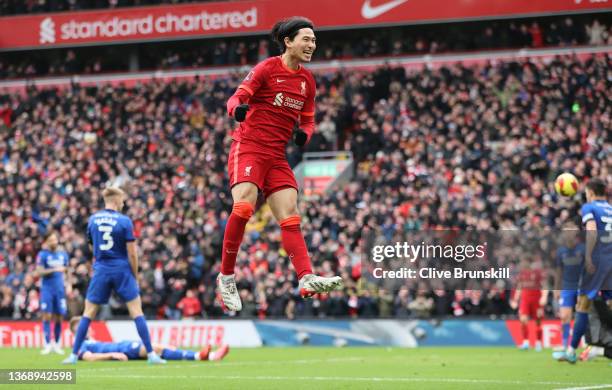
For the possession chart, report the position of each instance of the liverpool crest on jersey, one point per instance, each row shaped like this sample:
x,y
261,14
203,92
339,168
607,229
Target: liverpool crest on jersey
x,y
303,88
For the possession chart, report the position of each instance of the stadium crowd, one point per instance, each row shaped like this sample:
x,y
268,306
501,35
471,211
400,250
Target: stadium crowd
x,y
453,147
389,42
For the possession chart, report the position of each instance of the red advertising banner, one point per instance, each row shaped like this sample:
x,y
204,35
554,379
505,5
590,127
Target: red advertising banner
x,y
245,17
551,332
17,334
186,333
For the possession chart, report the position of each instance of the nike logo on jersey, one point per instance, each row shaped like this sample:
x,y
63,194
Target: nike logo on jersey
x,y
370,12
280,80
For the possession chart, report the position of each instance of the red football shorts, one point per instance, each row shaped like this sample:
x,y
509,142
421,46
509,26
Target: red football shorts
x,y
530,306
251,163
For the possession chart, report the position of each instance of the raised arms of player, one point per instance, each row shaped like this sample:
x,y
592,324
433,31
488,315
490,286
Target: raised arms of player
x,y
95,357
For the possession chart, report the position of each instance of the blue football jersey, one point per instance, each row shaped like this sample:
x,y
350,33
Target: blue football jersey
x,y
570,261
48,259
600,211
104,347
109,232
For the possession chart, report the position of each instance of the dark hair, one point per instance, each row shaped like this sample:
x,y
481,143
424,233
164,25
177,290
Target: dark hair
x,y
48,234
598,186
289,28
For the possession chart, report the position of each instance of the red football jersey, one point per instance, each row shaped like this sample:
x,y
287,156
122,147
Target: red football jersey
x,y
530,282
280,96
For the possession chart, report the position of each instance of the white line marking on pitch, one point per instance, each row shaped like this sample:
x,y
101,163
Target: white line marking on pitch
x,y
608,386
222,364
357,379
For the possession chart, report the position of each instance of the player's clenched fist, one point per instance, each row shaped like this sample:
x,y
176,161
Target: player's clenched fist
x,y
240,112
299,137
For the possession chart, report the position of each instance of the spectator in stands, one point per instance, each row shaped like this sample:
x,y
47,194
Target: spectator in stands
x,y
190,306
422,305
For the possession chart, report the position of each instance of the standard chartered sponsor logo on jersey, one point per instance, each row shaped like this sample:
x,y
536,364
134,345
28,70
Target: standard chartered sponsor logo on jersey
x,y
294,103
152,24
282,100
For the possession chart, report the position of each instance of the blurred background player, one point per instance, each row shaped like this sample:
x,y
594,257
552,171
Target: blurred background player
x,y
597,272
530,300
275,102
94,351
115,269
51,266
569,259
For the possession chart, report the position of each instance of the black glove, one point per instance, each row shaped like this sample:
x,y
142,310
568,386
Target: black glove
x,y
299,136
240,112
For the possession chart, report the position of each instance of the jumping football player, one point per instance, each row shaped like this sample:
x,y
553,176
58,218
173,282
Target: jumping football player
x,y
115,268
274,103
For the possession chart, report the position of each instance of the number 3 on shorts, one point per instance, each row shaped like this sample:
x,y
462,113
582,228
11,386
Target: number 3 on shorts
x,y
107,237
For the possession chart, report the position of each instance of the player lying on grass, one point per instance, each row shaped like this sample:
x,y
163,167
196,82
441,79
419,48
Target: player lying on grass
x,y
94,351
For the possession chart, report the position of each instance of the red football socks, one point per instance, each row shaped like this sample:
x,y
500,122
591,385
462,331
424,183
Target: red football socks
x,y
539,332
234,231
525,331
294,245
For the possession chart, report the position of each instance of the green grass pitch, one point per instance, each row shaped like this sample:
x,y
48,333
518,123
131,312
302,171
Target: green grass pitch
x,y
334,368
